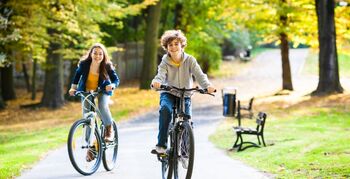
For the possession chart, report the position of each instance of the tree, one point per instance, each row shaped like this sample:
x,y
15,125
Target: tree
x,y
7,36
151,45
328,58
286,72
275,21
8,90
2,102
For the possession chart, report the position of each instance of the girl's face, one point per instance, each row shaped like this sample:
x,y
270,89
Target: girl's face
x,y
97,54
174,47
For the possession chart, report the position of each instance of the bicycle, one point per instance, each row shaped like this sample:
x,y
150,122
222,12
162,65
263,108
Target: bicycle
x,y
181,139
87,135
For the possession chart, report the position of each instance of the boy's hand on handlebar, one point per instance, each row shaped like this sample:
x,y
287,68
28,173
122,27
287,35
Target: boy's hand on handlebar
x,y
156,85
72,91
211,89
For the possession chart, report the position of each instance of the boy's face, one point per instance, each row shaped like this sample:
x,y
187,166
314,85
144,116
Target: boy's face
x,y
174,47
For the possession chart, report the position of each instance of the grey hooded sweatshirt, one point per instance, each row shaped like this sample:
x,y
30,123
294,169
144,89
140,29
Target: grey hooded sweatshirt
x,y
181,77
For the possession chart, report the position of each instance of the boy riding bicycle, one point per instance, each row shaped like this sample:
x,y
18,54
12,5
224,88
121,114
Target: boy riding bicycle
x,y
176,69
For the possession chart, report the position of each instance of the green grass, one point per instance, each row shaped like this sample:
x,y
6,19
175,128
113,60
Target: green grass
x,y
19,150
311,66
22,144
314,146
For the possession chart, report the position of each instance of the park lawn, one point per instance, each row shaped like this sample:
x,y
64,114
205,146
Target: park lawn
x,y
311,66
26,135
307,140
21,149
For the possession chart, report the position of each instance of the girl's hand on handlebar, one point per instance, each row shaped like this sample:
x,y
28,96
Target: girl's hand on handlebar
x,y
72,91
109,87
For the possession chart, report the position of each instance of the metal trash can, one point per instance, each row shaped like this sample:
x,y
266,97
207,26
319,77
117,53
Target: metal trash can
x,y
229,101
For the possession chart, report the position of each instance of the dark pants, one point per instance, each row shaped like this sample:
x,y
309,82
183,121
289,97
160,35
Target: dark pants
x,y
167,102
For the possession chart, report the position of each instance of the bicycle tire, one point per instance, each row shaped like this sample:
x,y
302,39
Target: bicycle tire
x,y
109,161
167,161
184,152
75,137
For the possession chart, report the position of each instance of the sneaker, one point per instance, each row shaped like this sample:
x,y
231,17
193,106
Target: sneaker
x,y
158,150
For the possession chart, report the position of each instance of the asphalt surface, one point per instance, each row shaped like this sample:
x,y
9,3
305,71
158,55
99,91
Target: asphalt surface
x,y
138,136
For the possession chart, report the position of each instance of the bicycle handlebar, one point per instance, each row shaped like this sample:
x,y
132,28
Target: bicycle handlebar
x,y
196,89
93,93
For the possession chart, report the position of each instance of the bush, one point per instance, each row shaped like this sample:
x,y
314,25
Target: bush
x,y
205,49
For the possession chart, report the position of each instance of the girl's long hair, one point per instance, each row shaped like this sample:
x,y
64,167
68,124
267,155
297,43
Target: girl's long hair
x,y
106,62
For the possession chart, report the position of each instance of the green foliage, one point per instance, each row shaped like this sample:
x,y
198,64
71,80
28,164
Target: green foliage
x,y
239,39
263,18
204,31
74,24
205,49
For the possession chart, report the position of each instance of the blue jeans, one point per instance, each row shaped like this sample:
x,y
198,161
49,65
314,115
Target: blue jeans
x,y
103,106
167,101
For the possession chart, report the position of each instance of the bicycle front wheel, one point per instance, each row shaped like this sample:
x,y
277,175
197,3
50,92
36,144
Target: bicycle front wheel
x,y
85,153
110,151
184,156
167,160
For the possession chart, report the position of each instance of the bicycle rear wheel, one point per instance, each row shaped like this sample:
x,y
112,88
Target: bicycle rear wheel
x,y
184,158
84,155
110,151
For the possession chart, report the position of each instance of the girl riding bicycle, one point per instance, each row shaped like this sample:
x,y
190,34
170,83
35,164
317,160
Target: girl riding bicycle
x,y
95,70
176,69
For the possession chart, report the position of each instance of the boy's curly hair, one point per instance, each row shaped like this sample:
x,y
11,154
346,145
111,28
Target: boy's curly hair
x,y
171,35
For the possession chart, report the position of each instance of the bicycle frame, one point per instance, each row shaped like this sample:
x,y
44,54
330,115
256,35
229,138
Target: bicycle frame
x,y
180,121
93,112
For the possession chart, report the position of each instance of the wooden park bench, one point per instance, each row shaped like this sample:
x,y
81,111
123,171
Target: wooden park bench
x,y
258,131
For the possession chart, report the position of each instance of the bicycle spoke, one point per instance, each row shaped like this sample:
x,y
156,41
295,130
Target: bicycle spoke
x,y
85,157
185,152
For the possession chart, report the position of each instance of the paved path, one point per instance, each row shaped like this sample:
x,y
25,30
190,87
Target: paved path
x,y
138,136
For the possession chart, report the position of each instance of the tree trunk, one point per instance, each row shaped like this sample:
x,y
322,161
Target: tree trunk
x,y
151,45
2,102
26,76
34,79
7,87
286,72
53,86
177,16
328,59
73,67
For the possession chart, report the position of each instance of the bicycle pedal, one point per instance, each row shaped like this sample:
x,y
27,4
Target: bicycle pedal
x,y
153,151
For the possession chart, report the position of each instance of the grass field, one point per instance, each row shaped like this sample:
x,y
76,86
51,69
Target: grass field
x,y
307,140
27,134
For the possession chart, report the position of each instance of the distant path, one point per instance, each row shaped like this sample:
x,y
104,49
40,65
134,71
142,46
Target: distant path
x,y
138,136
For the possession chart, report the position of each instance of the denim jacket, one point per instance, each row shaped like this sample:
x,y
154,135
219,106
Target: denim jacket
x,y
82,73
